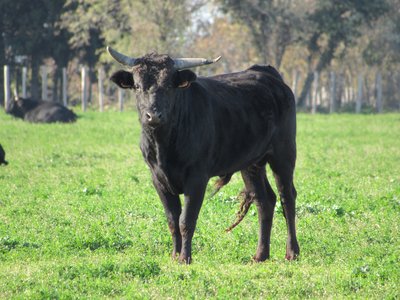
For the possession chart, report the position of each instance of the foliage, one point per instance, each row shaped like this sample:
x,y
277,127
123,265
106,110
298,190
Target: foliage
x,y
293,35
272,24
333,24
79,217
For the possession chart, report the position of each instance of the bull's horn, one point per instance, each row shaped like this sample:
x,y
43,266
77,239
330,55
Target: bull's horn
x,y
121,58
186,63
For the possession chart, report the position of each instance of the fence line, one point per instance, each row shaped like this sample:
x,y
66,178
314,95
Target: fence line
x,y
330,91
44,83
101,92
6,85
64,86
83,89
24,75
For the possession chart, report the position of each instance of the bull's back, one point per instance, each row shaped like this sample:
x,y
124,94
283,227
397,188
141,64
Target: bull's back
x,y
248,109
49,112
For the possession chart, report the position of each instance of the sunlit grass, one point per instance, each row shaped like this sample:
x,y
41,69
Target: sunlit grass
x,y
79,217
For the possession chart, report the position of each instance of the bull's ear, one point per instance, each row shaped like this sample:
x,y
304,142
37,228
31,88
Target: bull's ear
x,y
123,79
184,78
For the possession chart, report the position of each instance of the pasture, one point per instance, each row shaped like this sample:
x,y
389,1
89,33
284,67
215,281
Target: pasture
x,y
79,217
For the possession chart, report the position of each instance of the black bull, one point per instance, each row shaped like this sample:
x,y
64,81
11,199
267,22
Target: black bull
x,y
194,128
39,111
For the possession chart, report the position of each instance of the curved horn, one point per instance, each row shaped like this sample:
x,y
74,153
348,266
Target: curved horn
x,y
186,63
121,58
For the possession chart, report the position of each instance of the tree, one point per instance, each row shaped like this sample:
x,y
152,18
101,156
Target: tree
x,y
272,25
29,28
333,24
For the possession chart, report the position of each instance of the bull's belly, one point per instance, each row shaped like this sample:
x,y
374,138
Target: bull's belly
x,y
234,161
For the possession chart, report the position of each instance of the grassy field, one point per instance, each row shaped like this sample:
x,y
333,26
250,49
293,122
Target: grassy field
x,y
79,217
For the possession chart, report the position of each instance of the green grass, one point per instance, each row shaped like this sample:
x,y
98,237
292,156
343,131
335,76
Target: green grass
x,y
79,217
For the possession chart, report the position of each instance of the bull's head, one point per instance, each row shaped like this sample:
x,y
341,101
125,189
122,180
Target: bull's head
x,y
156,80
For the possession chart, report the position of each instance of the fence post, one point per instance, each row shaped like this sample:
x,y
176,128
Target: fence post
x,y
315,93
333,93
64,86
6,85
24,74
379,105
83,85
121,99
359,94
101,99
44,83
296,76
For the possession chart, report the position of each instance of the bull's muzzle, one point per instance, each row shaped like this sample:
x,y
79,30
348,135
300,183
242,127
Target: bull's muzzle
x,y
153,118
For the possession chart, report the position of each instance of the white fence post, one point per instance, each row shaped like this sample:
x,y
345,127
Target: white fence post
x,y
24,74
296,76
64,86
83,84
333,93
6,85
359,94
101,98
44,83
121,99
314,93
379,106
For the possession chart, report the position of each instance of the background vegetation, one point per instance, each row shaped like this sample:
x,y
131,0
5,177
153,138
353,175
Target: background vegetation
x,y
349,37
79,217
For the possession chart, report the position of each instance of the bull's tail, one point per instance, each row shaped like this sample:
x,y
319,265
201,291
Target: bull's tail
x,y
248,199
223,180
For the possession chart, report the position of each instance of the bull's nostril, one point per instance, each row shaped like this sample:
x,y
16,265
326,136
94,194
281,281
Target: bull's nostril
x,y
149,117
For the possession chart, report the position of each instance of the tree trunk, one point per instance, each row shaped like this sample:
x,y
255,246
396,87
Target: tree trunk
x,y
324,60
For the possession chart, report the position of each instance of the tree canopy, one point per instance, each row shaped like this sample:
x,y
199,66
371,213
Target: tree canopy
x,y
310,34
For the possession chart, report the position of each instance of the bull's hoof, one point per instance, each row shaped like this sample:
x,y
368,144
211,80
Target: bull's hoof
x,y
185,260
292,254
261,257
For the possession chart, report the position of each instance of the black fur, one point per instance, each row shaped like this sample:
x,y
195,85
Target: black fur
x,y
2,156
40,111
215,126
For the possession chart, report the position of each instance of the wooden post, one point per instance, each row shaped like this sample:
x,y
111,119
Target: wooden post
x,y
379,106
359,94
24,74
83,85
101,99
7,93
314,93
332,98
64,86
121,99
44,83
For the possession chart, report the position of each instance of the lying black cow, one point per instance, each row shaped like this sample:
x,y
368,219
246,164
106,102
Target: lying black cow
x,y
196,128
2,156
39,111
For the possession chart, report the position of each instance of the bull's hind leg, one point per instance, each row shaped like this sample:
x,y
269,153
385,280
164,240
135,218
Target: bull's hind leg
x,y
283,170
256,182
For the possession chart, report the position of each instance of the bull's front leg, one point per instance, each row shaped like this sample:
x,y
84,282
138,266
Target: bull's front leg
x,y
172,208
194,193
